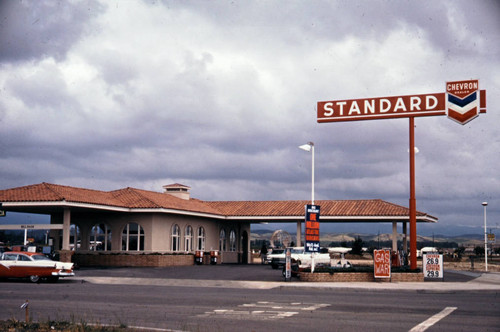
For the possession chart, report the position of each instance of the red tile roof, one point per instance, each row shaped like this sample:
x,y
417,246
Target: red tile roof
x,y
343,208
131,198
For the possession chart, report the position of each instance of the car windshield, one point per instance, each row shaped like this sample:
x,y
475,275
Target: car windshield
x,y
277,251
40,258
297,251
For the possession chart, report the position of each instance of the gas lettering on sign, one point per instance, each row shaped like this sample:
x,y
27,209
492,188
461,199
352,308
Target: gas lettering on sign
x,y
382,263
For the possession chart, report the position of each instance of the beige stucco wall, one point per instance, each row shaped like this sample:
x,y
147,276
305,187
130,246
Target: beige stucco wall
x,y
158,232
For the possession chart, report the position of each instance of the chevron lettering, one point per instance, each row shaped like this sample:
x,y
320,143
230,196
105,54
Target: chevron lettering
x,y
462,100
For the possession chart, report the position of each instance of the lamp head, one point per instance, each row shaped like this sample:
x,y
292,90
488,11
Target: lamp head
x,y
307,147
484,203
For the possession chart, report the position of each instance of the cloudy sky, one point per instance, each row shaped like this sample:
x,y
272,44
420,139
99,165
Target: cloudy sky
x,y
217,95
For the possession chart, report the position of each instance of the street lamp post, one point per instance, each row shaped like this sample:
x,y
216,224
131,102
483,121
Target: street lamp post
x,y
485,204
309,147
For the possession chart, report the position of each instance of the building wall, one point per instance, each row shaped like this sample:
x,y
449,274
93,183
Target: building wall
x,y
157,229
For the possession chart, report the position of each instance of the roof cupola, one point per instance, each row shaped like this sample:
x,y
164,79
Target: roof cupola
x,y
177,190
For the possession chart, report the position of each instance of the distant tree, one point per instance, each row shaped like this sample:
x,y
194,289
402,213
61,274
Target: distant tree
x,y
460,251
479,250
357,246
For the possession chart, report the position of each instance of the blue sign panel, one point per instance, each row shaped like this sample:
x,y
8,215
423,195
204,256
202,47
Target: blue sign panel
x,y
312,228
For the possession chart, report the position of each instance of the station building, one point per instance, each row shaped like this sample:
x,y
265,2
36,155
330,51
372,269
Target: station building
x,y
135,227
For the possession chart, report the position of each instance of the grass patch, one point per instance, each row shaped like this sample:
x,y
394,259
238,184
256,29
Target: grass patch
x,y
13,325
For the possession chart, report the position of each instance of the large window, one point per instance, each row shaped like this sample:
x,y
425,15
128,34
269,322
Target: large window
x,y
133,238
176,232
200,241
100,238
74,237
188,238
222,240
232,240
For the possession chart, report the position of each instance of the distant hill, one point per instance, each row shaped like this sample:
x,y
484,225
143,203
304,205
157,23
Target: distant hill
x,y
326,238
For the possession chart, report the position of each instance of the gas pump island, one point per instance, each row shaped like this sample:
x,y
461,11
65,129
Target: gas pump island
x,y
462,102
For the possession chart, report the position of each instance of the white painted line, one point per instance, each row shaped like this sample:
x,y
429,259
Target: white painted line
x,y
136,327
433,320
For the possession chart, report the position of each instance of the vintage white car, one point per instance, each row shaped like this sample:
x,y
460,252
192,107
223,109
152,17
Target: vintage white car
x,y
32,265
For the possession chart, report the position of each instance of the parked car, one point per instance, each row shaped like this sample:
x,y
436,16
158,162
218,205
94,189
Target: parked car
x,y
32,265
275,253
297,254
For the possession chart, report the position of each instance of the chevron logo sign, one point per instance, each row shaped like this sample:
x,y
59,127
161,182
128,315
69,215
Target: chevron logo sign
x,y
462,100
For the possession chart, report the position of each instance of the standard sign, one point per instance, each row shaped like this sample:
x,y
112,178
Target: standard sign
x,y
462,102
382,263
433,265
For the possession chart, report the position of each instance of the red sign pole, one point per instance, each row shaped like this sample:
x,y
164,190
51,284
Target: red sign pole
x,y
413,201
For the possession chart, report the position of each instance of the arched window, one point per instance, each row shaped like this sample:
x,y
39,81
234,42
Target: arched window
x,y
222,240
232,240
100,238
200,241
133,237
176,237
75,239
188,238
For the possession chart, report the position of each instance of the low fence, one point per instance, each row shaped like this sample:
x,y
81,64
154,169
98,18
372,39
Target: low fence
x,y
360,277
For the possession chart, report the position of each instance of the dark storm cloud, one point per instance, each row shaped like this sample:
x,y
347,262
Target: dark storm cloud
x,y
36,29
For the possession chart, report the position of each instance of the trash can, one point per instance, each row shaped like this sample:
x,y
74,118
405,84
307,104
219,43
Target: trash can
x,y
198,257
214,255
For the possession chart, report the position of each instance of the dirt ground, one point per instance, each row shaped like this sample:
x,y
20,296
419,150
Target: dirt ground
x,y
479,266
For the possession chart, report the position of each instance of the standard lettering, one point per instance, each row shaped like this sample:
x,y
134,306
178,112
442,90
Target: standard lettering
x,y
328,108
428,100
385,105
341,104
354,108
400,105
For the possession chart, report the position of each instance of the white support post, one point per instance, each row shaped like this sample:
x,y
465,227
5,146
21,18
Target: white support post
x,y
66,229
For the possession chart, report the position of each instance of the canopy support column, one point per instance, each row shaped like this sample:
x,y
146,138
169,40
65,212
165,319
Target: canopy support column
x,y
66,229
394,236
299,233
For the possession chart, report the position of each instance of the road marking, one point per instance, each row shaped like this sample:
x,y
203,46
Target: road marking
x,y
433,320
264,310
136,327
